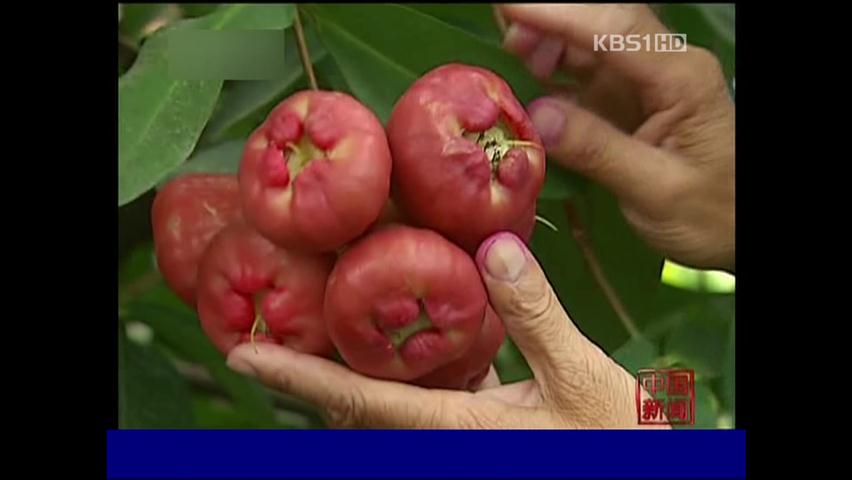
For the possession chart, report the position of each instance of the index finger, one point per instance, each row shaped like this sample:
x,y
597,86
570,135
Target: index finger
x,y
349,398
594,28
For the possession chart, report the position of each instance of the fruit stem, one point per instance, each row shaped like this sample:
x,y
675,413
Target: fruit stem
x,y
400,336
253,331
496,144
523,143
303,50
259,323
295,148
547,223
499,20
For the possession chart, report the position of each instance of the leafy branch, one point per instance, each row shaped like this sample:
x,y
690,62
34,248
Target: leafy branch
x,y
578,231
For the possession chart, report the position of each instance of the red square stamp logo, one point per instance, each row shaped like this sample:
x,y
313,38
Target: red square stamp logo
x,y
672,396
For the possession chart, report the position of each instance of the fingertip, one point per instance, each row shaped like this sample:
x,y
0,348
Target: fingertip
x,y
549,118
502,257
247,356
546,56
240,361
520,40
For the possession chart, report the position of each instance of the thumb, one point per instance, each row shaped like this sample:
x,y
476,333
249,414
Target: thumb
x,y
521,295
637,173
573,373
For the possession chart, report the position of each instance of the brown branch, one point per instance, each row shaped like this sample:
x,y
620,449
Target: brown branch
x,y
304,55
582,239
127,43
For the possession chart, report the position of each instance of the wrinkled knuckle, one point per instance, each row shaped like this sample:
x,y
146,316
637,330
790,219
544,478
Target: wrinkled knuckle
x,y
533,301
697,75
431,417
588,387
627,17
282,380
569,378
473,419
347,410
704,61
671,193
589,148
540,312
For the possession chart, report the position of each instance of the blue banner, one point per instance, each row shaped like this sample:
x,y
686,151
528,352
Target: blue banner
x,y
425,454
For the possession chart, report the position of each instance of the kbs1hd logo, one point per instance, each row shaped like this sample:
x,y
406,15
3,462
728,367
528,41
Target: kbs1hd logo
x,y
658,42
672,396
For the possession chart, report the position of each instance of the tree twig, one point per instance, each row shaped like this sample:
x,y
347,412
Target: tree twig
x,y
304,55
499,20
128,44
582,239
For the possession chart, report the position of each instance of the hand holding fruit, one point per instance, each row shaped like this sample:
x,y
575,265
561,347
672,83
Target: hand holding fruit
x,y
576,384
406,304
409,303
401,302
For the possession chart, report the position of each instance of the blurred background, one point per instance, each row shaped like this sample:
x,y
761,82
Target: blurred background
x,y
645,311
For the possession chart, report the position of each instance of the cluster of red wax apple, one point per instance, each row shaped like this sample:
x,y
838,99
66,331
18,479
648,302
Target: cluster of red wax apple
x,y
339,234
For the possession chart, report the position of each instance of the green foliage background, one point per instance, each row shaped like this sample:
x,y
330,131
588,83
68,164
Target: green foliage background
x,y
172,377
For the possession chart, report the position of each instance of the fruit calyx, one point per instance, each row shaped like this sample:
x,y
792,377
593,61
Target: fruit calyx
x,y
399,335
497,141
301,154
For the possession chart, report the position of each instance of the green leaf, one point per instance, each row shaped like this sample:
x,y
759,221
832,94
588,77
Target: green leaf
x,y
216,413
137,264
630,266
161,118
330,77
636,354
221,158
700,341
510,364
476,18
729,371
139,19
248,100
712,281
721,18
152,393
706,409
191,10
361,65
134,222
177,327
561,184
663,326
382,49
706,25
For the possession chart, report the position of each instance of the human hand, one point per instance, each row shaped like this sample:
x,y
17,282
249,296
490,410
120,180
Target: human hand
x,y
655,128
575,384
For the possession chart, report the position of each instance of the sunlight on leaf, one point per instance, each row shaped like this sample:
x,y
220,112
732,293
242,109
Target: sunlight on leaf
x,y
699,280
